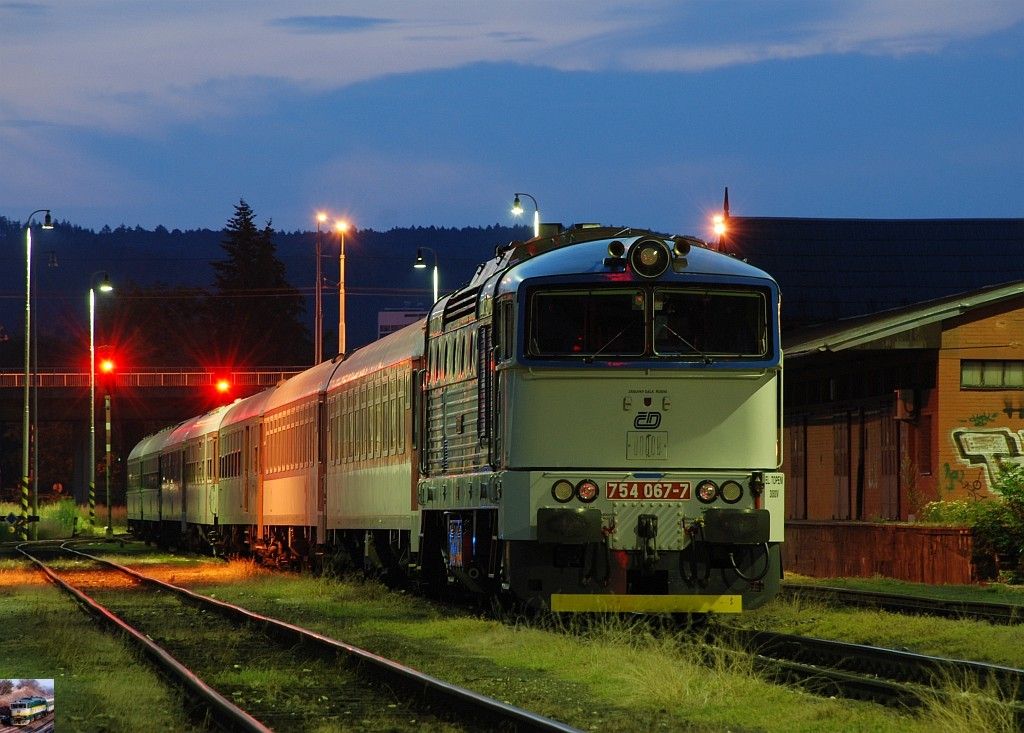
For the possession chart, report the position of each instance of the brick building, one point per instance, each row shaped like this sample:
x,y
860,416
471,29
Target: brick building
x,y
890,410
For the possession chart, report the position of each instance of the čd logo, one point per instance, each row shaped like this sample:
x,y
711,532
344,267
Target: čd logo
x,y
647,420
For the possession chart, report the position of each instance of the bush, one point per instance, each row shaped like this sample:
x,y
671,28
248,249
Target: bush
x,y
997,522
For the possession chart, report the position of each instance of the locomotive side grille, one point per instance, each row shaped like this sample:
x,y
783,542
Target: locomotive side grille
x,y
460,305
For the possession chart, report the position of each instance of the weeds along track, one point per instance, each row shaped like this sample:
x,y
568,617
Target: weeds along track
x,y
996,613
251,672
885,676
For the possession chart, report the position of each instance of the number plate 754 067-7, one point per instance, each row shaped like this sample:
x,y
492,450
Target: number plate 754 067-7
x,y
647,490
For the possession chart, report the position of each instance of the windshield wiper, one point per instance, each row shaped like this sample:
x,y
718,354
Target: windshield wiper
x,y
706,359
590,357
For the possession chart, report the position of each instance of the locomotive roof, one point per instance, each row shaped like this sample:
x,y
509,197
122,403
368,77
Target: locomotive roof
x,y
589,255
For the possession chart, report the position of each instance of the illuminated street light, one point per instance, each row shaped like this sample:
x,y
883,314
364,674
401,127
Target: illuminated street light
x,y
421,265
47,224
720,222
103,287
318,328
517,210
341,226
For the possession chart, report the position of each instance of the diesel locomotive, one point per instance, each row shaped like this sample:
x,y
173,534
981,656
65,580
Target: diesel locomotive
x,y
591,424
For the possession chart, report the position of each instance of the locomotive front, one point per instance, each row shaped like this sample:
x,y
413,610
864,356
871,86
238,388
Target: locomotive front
x,y
638,421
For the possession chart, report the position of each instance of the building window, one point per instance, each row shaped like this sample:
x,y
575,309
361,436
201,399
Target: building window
x,y
991,374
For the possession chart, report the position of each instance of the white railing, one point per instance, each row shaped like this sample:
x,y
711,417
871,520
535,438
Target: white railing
x,y
152,377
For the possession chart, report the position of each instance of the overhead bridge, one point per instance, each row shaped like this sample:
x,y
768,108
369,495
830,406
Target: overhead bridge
x,y
152,377
143,400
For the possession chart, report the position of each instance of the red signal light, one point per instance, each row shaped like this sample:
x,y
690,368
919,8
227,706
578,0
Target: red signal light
x,y
107,366
223,386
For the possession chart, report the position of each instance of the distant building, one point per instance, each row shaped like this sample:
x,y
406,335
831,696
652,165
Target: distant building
x,y
389,321
838,268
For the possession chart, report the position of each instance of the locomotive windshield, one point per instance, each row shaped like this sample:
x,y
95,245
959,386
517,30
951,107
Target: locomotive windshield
x,y
692,323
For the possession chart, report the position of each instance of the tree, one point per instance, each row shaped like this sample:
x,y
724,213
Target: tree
x,y
257,314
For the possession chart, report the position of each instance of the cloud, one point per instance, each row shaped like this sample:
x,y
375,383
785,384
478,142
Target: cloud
x,y
327,23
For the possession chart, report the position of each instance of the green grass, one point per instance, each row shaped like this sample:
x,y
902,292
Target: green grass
x,y
955,638
619,676
100,684
982,593
63,518
615,675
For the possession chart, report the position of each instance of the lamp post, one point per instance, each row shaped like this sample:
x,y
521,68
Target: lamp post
x,y
517,210
104,287
318,328
47,224
420,264
341,226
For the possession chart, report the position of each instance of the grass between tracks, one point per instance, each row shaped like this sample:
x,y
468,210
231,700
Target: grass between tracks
x,y
99,682
613,676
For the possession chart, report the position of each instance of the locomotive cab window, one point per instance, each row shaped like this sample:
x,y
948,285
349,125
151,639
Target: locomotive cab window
x,y
675,323
707,322
609,322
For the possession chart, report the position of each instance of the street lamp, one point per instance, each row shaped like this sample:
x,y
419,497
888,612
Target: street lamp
x,y
104,287
47,224
341,226
421,265
517,210
318,351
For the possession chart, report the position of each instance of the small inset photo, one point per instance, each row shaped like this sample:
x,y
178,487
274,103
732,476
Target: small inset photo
x,y
26,704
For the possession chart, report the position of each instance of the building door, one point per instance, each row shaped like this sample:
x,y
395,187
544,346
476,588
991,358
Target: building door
x,y
890,478
796,482
841,465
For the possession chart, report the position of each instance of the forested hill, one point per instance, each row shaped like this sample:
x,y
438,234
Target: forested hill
x,y
68,259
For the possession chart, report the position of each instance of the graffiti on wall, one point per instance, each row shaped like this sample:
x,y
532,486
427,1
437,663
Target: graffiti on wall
x,y
983,449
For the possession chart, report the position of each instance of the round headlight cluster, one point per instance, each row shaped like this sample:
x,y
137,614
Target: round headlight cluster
x,y
707,490
562,490
649,257
731,492
586,490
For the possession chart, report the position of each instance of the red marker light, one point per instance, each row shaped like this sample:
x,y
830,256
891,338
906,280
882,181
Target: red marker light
x,y
223,386
107,366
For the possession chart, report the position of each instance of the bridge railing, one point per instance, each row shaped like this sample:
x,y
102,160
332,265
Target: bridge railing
x,y
151,377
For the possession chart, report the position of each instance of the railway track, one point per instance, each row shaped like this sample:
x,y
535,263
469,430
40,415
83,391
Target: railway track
x,y
307,678
997,613
885,676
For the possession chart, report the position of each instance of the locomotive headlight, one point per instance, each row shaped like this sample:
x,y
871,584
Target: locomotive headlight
x,y
586,490
731,492
649,257
562,490
707,491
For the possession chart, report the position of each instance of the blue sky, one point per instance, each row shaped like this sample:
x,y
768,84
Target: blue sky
x,y
420,113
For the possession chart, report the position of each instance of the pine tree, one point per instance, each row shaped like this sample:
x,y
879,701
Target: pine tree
x,y
257,314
